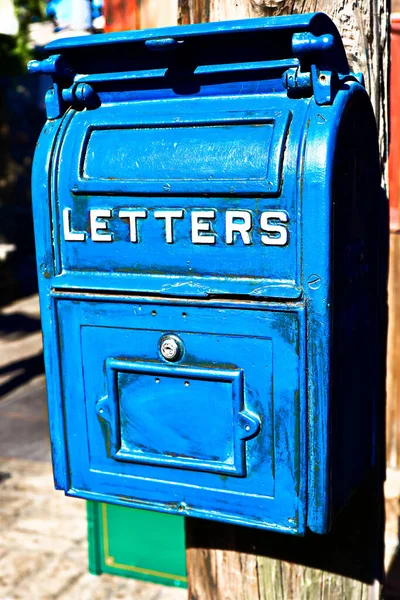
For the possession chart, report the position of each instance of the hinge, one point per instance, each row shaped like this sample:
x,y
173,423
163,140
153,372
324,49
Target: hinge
x,y
81,95
314,76
62,74
62,94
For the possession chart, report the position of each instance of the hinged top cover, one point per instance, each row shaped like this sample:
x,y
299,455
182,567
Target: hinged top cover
x,y
303,46
178,166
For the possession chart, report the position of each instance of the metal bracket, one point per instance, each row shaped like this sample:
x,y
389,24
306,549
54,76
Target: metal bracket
x,y
55,106
312,76
53,65
62,94
103,409
249,424
59,69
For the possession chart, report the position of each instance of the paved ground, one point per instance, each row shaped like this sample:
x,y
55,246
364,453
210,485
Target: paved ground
x,y
43,540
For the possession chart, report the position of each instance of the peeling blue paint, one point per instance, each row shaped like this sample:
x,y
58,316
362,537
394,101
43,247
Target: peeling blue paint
x,y
227,198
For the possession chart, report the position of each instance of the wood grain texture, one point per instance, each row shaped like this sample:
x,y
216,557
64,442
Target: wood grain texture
x,y
228,573
218,575
235,563
226,562
393,371
279,580
193,11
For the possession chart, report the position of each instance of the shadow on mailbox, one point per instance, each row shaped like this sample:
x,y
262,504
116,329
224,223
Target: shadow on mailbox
x,y
211,247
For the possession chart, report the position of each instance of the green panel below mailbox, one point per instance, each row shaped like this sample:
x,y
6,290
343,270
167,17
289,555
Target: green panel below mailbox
x,y
136,543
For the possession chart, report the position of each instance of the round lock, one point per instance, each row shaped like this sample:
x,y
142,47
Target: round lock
x,y
171,348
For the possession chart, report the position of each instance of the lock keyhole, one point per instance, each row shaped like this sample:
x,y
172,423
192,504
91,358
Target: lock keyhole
x,y
171,348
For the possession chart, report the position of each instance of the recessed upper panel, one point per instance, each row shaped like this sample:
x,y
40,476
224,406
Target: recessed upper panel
x,y
229,155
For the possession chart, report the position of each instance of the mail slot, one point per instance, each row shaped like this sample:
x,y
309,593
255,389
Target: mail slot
x,y
208,228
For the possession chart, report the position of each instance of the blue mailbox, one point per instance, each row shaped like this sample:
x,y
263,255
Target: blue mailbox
x,y
207,220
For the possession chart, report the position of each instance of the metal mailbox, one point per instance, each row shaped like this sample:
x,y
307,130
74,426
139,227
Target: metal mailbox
x,y
206,203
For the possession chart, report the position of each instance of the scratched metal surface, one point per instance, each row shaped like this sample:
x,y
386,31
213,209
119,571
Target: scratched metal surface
x,y
189,186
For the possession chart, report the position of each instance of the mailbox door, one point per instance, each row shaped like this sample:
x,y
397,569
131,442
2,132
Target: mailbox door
x,y
219,433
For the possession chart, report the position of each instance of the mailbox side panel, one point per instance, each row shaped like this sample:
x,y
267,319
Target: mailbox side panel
x,y
340,275
316,198
46,150
359,303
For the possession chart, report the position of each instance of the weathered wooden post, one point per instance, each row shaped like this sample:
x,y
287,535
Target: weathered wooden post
x,y
393,376
226,562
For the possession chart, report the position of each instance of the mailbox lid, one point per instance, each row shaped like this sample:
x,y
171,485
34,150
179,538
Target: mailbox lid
x,y
225,225
219,434
205,123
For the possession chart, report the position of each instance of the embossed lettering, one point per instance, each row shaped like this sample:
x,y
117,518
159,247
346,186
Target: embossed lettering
x,y
133,216
69,235
95,225
279,232
169,215
201,231
232,226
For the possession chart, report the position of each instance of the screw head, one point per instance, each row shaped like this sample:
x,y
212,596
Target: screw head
x,y
314,282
